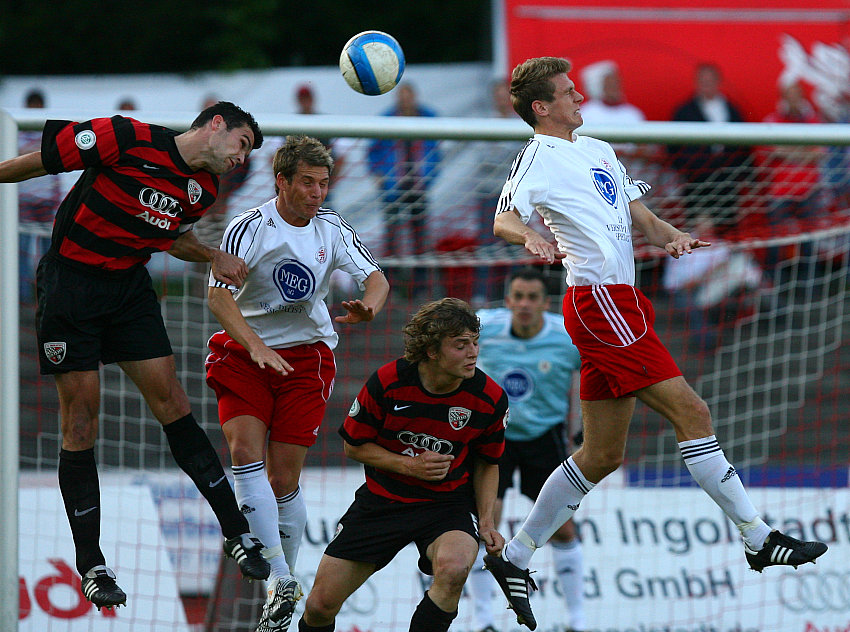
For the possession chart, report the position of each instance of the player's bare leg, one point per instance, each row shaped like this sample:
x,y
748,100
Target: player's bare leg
x,y
689,414
79,403
156,379
335,581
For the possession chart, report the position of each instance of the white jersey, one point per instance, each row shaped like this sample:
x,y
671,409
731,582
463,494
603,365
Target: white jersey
x,y
582,192
289,271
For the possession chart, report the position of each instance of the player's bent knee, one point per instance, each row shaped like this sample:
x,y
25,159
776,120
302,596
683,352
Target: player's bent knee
x,y
451,571
321,608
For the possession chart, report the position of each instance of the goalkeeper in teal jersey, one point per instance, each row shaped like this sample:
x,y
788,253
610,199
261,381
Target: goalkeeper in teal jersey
x,y
528,352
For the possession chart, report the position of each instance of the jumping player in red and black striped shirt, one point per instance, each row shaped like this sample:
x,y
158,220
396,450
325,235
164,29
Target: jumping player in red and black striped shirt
x,y
142,188
430,430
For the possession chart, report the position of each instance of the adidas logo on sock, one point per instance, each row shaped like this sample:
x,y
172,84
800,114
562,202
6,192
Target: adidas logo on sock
x,y
729,474
245,509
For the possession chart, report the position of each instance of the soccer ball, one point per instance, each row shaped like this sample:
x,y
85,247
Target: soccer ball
x,y
372,62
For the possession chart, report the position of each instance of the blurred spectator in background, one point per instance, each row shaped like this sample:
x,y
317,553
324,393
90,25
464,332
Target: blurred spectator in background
x,y
791,172
714,174
38,199
713,287
306,100
492,161
127,104
606,102
405,169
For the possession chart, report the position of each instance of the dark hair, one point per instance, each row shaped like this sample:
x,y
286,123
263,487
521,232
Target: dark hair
x,y
34,99
297,149
233,116
435,321
528,273
532,81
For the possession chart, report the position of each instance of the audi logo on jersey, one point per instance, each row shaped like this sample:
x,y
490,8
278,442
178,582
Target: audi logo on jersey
x,y
425,441
160,202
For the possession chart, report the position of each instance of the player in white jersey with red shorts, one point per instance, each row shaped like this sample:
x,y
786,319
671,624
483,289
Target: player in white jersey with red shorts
x,y
272,367
590,204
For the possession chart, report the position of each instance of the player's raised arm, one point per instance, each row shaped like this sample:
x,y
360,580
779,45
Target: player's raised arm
x,y
662,234
510,227
22,168
374,297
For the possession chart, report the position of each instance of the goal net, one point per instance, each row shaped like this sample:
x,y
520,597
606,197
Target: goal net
x,y
756,322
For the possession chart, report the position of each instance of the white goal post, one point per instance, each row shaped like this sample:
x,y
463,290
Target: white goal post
x,y
323,126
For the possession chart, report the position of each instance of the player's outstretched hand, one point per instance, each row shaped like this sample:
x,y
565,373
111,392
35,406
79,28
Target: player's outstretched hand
x,y
266,357
493,541
429,466
684,243
540,247
228,268
358,312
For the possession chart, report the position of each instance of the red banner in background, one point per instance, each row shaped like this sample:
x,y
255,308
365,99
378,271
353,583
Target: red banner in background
x,y
657,46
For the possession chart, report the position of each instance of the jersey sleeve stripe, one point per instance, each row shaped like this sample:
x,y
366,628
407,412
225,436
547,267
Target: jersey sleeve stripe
x,y
237,231
345,229
504,205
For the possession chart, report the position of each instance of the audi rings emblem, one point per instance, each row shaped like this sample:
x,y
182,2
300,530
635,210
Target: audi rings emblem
x,y
425,441
159,202
815,592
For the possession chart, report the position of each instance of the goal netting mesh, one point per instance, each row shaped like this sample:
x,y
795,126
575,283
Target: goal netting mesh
x,y
757,323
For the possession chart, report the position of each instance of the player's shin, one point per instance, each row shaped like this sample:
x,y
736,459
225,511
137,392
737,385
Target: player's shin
x,y
292,520
195,455
428,617
80,489
708,465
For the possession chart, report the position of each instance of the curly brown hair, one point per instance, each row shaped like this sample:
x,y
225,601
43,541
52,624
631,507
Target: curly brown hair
x,y
532,81
435,321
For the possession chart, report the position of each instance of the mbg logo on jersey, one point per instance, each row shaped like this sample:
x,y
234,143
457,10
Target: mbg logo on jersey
x,y
160,202
194,190
85,139
459,417
604,183
55,351
425,441
294,280
518,384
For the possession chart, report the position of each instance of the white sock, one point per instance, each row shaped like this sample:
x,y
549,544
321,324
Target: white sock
x,y
291,521
569,568
709,467
255,498
481,588
556,503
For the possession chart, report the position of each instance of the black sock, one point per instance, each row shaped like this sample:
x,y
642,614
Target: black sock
x,y
303,627
80,489
428,617
195,455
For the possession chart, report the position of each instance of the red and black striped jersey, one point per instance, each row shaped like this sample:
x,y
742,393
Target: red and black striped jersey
x,y
136,194
395,411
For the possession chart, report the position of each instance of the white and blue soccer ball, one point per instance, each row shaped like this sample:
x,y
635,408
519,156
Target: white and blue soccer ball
x,y
372,62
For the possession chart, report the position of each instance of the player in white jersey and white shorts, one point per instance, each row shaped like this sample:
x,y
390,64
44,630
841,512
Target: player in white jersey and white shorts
x,y
272,367
590,204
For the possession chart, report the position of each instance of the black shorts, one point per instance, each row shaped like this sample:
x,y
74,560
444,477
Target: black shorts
x,y
84,318
375,529
535,459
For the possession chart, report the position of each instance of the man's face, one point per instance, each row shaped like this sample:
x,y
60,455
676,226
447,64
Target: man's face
x,y
527,300
299,201
228,148
457,355
563,111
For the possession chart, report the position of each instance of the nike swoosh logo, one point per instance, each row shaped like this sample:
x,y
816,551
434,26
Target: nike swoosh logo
x,y
147,166
79,513
218,481
397,407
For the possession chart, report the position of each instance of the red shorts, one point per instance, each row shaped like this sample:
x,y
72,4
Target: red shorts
x,y
292,406
612,326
